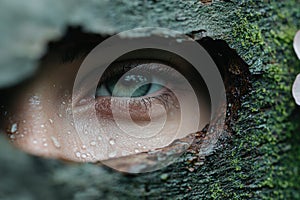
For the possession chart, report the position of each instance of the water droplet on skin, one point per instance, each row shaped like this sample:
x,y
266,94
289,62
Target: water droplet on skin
x,y
139,145
55,142
34,100
112,141
85,132
24,121
45,144
112,154
12,136
83,155
136,151
34,142
60,115
100,138
14,128
22,135
124,153
69,132
93,143
83,146
82,101
42,126
78,154
69,111
51,121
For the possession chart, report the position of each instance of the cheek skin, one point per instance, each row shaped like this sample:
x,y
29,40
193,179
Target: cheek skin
x,y
42,121
40,113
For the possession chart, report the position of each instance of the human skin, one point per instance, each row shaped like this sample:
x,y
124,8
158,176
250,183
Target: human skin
x,y
41,115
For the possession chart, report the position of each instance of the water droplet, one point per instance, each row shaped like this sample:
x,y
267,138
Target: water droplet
x,y
139,145
82,101
100,138
83,155
83,146
51,121
42,126
55,142
14,128
34,142
124,153
60,115
22,135
78,154
112,141
69,132
136,151
12,136
69,111
112,154
34,100
93,143
45,144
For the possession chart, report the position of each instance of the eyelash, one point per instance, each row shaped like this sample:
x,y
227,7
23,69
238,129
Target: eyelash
x,y
164,96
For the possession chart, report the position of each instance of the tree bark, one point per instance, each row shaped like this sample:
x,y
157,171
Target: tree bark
x,y
259,160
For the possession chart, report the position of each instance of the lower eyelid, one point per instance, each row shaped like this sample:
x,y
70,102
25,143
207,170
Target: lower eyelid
x,y
138,107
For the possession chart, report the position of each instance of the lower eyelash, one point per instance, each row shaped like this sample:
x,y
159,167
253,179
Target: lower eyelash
x,y
142,104
167,99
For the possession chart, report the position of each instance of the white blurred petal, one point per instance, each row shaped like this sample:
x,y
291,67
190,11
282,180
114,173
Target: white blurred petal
x,y
297,44
296,89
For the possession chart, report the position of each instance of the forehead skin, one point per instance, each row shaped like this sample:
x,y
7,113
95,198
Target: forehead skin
x,y
261,157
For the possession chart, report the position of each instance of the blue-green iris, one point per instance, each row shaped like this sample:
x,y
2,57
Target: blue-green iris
x,y
128,86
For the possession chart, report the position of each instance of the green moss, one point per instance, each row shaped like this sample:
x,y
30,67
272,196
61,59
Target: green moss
x,y
269,106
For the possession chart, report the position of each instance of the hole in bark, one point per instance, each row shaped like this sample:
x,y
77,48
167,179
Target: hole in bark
x,y
236,76
234,72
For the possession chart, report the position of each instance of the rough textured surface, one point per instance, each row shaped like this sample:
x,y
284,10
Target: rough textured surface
x,y
261,159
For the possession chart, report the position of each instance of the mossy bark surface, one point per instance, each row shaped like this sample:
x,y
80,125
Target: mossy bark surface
x,y
260,159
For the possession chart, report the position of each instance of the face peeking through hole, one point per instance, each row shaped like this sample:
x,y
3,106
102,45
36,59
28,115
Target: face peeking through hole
x,y
143,100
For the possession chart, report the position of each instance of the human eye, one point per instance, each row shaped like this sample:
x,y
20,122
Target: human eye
x,y
135,91
136,85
